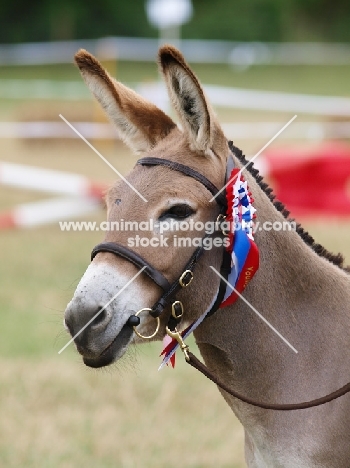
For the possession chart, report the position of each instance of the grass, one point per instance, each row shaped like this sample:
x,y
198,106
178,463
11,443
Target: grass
x,y
55,412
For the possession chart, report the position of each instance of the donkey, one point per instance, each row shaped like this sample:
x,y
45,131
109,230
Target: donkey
x,y
300,288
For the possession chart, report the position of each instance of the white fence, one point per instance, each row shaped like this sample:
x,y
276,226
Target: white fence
x,y
79,196
220,96
315,131
241,54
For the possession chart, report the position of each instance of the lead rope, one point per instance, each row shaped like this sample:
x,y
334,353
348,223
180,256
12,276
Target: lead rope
x,y
193,361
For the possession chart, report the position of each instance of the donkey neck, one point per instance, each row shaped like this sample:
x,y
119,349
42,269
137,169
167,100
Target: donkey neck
x,y
303,296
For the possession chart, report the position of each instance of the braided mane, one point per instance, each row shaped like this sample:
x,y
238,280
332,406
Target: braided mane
x,y
336,259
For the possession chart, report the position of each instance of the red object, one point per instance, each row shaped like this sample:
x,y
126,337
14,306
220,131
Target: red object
x,y
7,220
97,190
312,181
251,264
250,268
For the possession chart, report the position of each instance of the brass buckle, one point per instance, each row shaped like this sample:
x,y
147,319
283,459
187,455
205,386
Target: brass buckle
x,y
182,277
157,327
219,220
173,311
177,336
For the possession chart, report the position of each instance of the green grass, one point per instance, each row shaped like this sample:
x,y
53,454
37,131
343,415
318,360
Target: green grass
x,y
37,282
57,413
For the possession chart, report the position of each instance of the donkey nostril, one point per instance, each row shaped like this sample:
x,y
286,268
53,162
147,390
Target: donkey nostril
x,y
101,317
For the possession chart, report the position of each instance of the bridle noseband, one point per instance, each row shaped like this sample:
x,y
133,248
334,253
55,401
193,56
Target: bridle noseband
x,y
171,289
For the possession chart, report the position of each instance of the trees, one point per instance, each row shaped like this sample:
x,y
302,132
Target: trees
x,y
42,20
266,20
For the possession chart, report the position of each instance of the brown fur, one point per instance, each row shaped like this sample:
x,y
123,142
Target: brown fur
x,y
297,289
134,115
186,94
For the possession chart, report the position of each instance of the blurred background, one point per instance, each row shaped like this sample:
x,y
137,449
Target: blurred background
x,y
261,62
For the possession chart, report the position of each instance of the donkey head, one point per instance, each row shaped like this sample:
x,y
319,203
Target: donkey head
x,y
172,198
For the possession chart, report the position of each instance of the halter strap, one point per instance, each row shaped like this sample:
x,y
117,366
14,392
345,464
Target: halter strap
x,y
188,171
135,259
170,290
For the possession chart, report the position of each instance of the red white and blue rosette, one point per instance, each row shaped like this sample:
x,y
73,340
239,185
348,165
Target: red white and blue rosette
x,y
244,251
240,217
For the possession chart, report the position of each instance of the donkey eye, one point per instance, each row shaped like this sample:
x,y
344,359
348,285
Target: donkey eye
x,y
177,212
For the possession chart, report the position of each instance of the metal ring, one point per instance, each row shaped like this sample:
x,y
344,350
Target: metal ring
x,y
173,313
220,219
184,285
157,328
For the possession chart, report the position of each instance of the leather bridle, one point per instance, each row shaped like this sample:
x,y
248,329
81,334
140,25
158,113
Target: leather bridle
x,y
171,289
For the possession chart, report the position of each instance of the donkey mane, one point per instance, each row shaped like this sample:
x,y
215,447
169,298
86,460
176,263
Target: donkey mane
x,y
336,259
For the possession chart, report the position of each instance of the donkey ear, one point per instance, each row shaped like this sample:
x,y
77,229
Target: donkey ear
x,y
188,99
139,123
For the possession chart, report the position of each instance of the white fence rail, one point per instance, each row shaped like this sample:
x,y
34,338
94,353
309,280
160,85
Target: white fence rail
x,y
81,196
241,54
30,215
238,98
48,180
315,131
220,96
